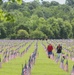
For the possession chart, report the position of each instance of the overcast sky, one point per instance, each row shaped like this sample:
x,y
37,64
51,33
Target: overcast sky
x,y
60,1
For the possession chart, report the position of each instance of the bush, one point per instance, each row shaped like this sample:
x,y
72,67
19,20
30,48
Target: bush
x,y
22,34
37,35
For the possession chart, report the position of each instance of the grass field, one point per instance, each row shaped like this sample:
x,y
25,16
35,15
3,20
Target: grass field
x,y
43,65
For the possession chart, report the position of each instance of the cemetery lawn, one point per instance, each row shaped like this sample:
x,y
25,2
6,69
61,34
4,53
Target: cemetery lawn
x,y
46,66
43,65
14,66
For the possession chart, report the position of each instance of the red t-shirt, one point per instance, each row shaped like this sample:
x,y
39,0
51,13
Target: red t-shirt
x,y
49,48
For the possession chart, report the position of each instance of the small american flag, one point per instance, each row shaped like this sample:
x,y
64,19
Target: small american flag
x,y
25,70
0,63
72,72
66,66
62,63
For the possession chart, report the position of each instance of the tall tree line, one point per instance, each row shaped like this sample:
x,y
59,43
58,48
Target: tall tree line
x,y
37,20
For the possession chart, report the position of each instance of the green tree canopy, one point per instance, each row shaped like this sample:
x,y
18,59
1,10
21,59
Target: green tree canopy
x,y
22,34
37,35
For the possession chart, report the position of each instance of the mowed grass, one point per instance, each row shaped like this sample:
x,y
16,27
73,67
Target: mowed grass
x,y
43,65
46,66
14,66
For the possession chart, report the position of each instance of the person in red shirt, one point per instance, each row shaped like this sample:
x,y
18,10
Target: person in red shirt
x,y
49,50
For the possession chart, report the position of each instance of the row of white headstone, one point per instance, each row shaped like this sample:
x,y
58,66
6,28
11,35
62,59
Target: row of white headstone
x,y
62,65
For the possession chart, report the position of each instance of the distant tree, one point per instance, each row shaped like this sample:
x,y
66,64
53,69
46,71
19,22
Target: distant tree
x,y
72,23
1,2
51,18
33,5
33,23
2,31
66,30
9,28
37,35
13,36
26,13
12,6
70,2
5,15
39,13
46,3
22,26
54,3
22,34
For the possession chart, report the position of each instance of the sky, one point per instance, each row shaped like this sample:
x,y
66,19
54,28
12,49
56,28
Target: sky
x,y
60,1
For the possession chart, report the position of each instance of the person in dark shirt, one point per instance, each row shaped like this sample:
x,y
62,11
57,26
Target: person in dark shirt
x,y
59,51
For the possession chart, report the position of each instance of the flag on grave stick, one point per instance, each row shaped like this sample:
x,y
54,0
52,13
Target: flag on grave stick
x,y
22,70
72,58
52,56
62,63
57,59
66,56
12,56
66,66
31,61
29,67
33,57
72,72
5,59
70,55
25,70
0,63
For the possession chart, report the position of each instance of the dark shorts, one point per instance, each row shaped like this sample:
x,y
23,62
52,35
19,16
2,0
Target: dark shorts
x,y
49,53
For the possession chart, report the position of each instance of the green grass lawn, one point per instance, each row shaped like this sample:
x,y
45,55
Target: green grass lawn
x,y
43,65
14,66
46,66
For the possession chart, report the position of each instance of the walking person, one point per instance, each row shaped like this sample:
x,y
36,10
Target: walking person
x,y
49,50
59,51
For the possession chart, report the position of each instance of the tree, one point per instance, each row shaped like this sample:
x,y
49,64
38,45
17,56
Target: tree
x,y
46,30
9,28
50,18
45,3
22,26
66,30
5,15
37,35
12,6
39,13
32,23
1,2
33,5
2,31
22,34
13,36
54,3
69,2
72,23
